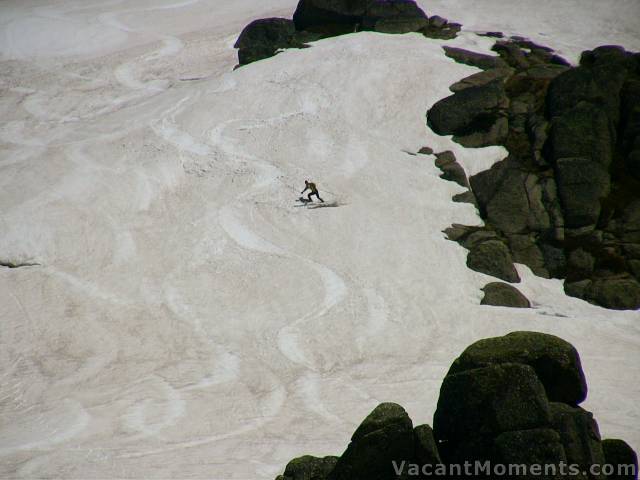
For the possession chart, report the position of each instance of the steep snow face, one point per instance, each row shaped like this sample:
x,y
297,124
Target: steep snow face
x,y
187,317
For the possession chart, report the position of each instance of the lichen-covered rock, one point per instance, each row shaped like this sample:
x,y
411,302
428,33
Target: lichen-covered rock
x,y
263,38
441,28
555,361
482,78
622,458
330,16
539,446
308,468
614,293
493,258
484,402
426,448
386,435
566,201
394,16
451,169
504,295
472,111
511,199
473,59
334,17
580,437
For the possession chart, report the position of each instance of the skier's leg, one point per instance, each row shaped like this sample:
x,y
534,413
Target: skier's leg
x,y
309,197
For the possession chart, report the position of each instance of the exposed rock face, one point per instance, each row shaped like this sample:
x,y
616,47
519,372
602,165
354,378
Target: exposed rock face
x,y
484,402
386,435
566,201
473,59
425,446
555,361
493,258
502,401
316,19
477,111
341,16
512,400
263,38
331,17
308,468
504,295
451,169
580,437
618,453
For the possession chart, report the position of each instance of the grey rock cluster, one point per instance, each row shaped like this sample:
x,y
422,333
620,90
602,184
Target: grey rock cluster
x,y
316,19
505,400
566,201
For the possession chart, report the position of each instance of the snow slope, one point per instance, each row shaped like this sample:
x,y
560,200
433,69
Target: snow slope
x,y
186,318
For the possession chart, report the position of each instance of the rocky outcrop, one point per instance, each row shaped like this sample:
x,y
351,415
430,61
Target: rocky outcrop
x,y
265,37
475,116
308,468
508,400
622,458
385,436
504,295
316,19
580,437
555,361
566,200
492,257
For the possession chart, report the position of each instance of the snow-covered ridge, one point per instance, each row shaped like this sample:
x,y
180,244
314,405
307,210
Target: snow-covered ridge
x,y
186,320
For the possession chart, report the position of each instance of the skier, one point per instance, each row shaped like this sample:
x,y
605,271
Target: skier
x,y
312,190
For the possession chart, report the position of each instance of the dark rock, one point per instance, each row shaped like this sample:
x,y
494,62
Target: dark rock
x,y
555,261
440,28
472,111
512,54
437,21
634,267
582,185
493,258
308,468
335,17
492,34
473,59
580,437
482,78
622,457
479,236
394,16
583,131
263,38
386,435
539,447
504,295
457,232
555,361
525,250
511,199
330,16
426,449
614,293
426,151
484,402
451,169
465,197
569,89
577,289
580,263
630,222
